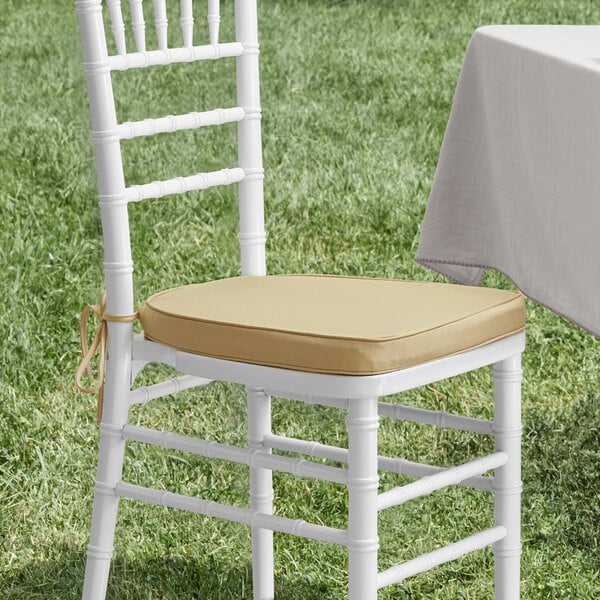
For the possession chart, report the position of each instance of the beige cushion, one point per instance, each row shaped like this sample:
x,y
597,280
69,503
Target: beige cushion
x,y
328,324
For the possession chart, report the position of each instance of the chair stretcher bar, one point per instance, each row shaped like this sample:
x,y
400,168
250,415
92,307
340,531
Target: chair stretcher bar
x,y
385,463
179,185
171,123
440,419
425,562
253,458
232,513
445,478
144,394
140,60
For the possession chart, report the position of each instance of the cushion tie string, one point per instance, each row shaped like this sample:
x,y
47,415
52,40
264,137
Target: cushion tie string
x,y
98,344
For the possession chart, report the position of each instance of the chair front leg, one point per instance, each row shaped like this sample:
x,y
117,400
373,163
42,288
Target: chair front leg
x,y
507,480
363,484
261,495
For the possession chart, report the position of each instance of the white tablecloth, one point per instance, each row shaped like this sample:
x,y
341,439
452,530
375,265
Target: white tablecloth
x,y
517,186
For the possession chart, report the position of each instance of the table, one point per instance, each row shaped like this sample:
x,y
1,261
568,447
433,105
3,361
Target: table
x,y
517,187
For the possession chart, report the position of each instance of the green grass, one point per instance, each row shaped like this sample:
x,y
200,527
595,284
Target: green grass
x,y
356,95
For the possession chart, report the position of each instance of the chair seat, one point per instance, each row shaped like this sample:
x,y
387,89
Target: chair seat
x,y
329,324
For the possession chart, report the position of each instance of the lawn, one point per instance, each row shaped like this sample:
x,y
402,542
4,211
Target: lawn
x,y
355,95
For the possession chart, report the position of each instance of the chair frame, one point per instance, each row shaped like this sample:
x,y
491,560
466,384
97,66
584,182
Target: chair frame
x,y
358,395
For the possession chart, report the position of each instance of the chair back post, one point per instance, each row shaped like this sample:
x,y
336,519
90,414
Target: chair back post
x,y
118,266
251,205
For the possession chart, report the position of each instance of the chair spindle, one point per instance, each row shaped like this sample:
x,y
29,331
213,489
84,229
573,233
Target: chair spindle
x,y
187,23
214,18
161,22
117,25
138,25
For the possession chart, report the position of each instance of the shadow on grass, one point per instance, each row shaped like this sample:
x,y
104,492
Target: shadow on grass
x,y
562,474
148,579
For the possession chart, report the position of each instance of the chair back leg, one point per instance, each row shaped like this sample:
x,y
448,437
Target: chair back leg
x,y
104,514
110,462
507,480
104,518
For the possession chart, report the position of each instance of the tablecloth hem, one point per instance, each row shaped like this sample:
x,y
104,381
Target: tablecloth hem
x,y
432,263
437,266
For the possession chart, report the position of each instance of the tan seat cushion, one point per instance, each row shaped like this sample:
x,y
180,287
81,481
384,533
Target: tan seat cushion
x,y
328,324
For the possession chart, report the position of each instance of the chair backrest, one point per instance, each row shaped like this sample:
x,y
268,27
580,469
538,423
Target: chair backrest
x,y
107,133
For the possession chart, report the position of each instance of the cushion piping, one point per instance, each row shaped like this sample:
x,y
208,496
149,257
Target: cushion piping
x,y
304,369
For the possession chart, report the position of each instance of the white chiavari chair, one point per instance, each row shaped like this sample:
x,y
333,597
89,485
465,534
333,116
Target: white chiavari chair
x,y
334,341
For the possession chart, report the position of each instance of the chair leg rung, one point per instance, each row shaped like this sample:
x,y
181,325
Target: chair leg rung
x,y
399,466
425,562
437,481
253,458
232,513
437,418
144,394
